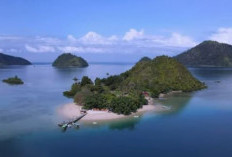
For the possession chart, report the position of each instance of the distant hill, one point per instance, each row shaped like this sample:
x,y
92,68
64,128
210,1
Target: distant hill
x,y
70,60
208,53
11,60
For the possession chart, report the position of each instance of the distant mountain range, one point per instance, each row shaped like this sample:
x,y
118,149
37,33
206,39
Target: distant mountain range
x,y
11,60
208,54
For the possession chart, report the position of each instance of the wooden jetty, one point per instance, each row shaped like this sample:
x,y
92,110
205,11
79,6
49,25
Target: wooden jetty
x,y
71,122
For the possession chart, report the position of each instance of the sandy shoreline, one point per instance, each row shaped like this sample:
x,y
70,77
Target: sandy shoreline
x,y
72,110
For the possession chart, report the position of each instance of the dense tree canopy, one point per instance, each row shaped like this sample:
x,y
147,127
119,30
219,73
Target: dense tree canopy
x,y
85,80
74,89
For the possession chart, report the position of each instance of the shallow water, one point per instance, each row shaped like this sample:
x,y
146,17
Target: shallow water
x,y
196,124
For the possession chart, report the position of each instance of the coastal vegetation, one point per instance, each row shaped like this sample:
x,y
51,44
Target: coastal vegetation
x,y
124,93
70,60
13,80
11,60
99,96
209,54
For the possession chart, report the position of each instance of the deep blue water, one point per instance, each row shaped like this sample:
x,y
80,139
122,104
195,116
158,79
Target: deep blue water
x,y
197,124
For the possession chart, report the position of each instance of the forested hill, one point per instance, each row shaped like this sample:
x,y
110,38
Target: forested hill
x,y
160,75
208,53
70,60
11,60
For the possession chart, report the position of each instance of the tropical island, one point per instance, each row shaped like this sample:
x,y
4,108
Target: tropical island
x,y
207,54
70,60
132,90
13,81
11,60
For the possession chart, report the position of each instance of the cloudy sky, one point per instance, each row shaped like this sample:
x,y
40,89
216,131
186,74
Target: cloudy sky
x,y
110,30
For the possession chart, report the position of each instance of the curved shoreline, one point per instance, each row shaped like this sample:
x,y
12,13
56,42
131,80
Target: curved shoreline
x,y
72,110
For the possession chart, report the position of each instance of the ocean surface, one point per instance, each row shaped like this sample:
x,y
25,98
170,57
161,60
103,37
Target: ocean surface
x,y
197,124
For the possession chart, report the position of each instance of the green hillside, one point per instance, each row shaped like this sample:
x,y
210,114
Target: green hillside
x,y
160,75
70,60
11,60
208,53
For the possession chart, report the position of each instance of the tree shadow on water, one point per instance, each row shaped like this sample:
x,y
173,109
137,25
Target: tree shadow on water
x,y
125,124
176,103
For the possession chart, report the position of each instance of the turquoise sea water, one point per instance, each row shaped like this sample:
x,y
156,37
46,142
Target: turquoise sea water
x,y
196,124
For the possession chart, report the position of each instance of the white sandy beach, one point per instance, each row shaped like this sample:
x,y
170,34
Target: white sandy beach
x,y
72,110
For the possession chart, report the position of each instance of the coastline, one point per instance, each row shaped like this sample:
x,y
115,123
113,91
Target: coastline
x,y
72,110
162,95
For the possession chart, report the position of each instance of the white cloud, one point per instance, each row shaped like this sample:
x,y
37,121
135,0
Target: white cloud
x,y
80,49
223,35
94,50
175,39
179,40
92,38
10,38
133,34
133,41
40,48
47,40
69,49
71,38
12,50
113,38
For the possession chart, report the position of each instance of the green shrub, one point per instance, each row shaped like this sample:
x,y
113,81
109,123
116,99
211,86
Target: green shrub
x,y
95,101
97,81
124,105
86,80
81,95
74,89
142,100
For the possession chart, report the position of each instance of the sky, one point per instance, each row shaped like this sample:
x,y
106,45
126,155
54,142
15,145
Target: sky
x,y
110,30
